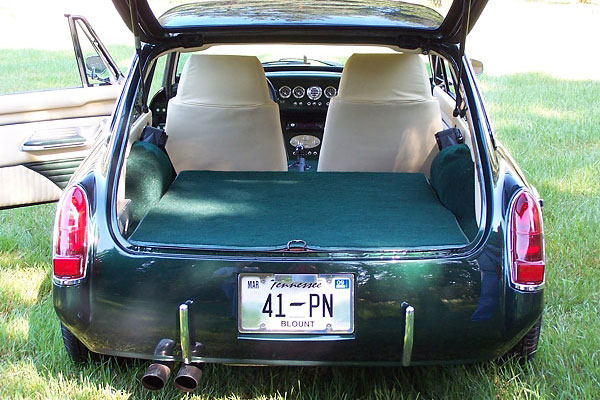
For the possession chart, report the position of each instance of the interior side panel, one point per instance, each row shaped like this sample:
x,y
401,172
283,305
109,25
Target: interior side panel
x,y
57,104
23,185
48,140
45,136
58,172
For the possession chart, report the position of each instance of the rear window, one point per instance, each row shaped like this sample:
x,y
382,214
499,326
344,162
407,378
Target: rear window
x,y
424,14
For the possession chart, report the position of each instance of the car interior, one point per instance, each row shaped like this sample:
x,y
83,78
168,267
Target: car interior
x,y
295,154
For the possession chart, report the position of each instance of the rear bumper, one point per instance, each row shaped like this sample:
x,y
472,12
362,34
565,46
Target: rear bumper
x,y
463,310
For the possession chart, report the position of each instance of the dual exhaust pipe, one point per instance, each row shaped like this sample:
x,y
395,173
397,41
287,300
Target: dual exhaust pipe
x,y
186,380
189,374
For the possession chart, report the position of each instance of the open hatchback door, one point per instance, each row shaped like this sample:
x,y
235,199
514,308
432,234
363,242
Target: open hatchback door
x,y
47,134
330,193
222,22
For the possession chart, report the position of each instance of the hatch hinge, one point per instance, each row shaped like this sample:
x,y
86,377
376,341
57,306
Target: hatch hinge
x,y
138,49
461,106
421,43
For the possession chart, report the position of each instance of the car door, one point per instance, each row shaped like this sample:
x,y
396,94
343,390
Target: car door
x,y
46,134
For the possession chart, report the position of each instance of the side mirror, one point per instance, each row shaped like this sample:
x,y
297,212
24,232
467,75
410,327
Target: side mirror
x,y
95,68
477,66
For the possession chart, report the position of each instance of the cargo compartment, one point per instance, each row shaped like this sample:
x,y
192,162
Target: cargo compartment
x,y
324,209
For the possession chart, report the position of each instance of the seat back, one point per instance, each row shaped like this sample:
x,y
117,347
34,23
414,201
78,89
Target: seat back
x,y
222,118
384,118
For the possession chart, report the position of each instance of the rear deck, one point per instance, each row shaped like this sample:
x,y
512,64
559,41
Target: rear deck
x,y
325,209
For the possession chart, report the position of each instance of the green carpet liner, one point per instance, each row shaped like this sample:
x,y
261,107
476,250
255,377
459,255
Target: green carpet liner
x,y
325,209
148,175
453,179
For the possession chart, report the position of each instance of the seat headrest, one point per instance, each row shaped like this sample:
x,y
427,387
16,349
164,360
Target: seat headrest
x,y
223,80
385,77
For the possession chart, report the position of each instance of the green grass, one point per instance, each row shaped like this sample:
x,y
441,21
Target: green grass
x,y
550,126
25,70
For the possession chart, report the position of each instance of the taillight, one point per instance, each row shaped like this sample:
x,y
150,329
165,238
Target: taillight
x,y
526,242
69,255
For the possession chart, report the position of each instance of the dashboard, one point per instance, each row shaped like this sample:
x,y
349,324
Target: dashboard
x,y
303,98
303,95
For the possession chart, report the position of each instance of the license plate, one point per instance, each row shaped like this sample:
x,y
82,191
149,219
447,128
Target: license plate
x,y
296,303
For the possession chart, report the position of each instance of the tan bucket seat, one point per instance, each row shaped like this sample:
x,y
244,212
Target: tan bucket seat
x,y
384,118
222,118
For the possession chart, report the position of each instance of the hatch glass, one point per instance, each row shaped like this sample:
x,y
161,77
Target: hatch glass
x,y
424,14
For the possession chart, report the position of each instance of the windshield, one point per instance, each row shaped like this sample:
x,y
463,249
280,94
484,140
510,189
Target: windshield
x,y
425,14
319,55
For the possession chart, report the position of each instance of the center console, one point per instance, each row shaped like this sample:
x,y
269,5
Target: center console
x,y
303,98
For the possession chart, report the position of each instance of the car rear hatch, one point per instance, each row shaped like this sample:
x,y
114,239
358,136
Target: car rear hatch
x,y
242,21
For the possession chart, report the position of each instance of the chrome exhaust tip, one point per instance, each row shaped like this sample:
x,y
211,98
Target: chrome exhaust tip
x,y
156,376
188,377
158,372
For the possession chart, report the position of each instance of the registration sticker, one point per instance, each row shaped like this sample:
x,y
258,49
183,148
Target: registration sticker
x,y
296,303
342,283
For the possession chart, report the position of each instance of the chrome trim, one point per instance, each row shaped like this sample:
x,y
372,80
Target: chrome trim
x,y
184,334
300,89
66,282
327,92
296,244
113,69
314,92
285,88
141,247
53,146
303,139
508,247
409,323
530,288
56,138
64,137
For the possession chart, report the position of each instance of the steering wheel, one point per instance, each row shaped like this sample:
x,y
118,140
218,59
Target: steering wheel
x,y
272,91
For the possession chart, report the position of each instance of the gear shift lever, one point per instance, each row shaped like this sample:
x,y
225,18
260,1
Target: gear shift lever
x,y
300,163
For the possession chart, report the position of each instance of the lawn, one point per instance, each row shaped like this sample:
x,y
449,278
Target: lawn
x,y
26,70
550,126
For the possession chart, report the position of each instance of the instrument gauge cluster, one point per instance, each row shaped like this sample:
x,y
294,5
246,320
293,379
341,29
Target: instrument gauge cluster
x,y
299,92
330,92
285,92
304,90
308,141
314,92
310,96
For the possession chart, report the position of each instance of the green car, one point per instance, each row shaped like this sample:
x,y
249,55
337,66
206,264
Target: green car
x,y
310,183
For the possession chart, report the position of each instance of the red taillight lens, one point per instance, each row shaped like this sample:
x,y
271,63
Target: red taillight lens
x,y
527,241
70,235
